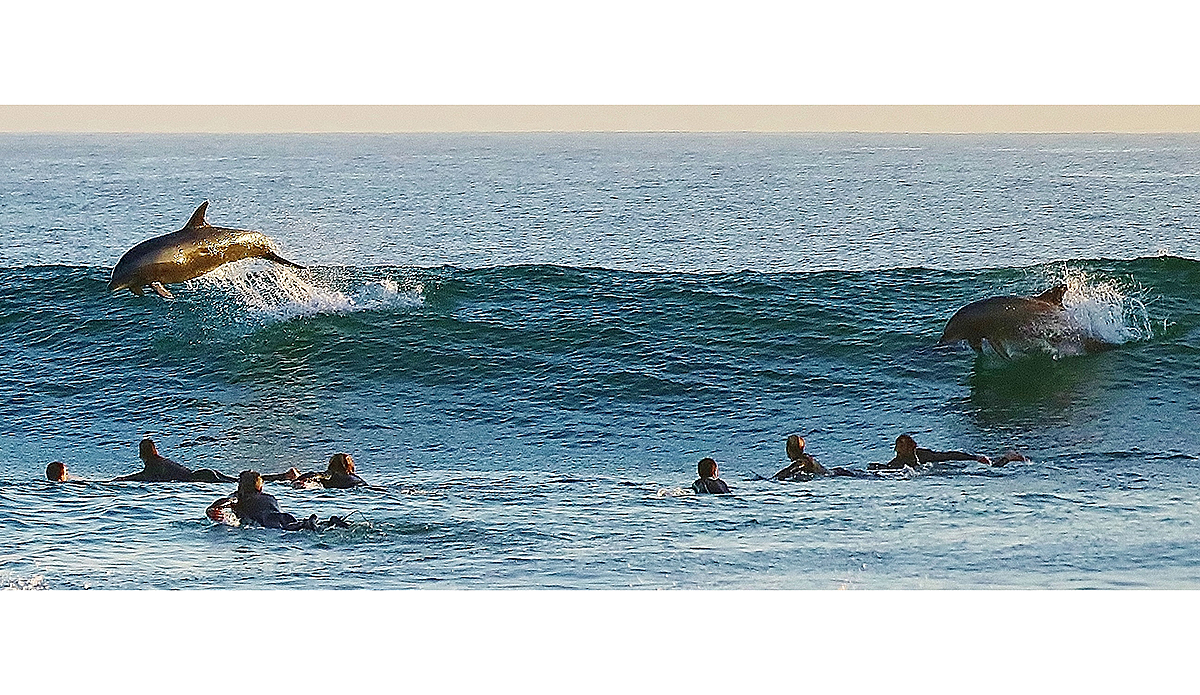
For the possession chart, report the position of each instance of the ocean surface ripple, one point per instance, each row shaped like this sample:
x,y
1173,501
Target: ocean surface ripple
x,y
527,342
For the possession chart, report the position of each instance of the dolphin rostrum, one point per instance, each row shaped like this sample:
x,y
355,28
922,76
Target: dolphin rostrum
x,y
1006,320
188,253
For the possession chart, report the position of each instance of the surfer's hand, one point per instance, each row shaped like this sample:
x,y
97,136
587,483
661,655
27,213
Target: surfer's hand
x,y
291,473
984,460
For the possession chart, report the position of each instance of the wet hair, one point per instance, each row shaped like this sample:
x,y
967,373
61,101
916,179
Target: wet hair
x,y
146,448
906,438
249,483
795,447
706,467
341,463
56,471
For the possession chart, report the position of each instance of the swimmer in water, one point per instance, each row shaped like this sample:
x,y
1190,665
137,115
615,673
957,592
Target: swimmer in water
x,y
160,469
708,481
251,504
909,454
803,464
339,474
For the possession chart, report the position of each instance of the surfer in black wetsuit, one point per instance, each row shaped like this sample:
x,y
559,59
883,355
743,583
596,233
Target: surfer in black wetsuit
x,y
251,504
804,465
339,474
913,456
708,481
57,471
160,469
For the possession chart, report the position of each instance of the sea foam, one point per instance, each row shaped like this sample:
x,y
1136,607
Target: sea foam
x,y
280,293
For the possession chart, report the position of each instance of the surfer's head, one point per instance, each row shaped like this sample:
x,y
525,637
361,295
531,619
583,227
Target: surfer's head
x,y
906,445
341,464
249,483
147,450
795,447
707,468
56,471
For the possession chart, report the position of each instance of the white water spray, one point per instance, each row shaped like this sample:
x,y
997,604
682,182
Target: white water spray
x,y
280,293
1098,311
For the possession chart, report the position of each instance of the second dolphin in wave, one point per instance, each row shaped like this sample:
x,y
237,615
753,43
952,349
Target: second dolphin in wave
x,y
187,254
1010,322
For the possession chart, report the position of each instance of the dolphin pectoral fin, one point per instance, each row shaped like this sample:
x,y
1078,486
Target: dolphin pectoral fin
x,y
161,291
274,258
976,344
137,290
197,219
999,348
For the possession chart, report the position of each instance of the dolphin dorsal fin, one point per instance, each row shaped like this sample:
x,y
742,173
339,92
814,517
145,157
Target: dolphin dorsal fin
x,y
197,217
1054,295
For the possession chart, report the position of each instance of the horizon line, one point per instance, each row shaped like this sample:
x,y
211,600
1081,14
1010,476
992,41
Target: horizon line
x,y
364,119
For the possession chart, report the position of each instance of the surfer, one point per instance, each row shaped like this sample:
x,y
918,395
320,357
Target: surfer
x,y
339,474
909,454
160,469
708,481
250,503
804,464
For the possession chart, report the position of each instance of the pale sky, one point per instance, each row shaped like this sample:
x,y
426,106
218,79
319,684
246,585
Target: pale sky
x,y
382,119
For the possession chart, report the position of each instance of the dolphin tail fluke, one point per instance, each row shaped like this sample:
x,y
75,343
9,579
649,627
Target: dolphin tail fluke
x,y
275,258
197,219
1054,295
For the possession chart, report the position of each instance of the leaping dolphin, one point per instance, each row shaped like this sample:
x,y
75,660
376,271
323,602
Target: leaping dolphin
x,y
1006,320
188,253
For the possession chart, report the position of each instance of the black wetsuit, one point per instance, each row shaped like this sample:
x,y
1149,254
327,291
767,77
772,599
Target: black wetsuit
x,y
163,470
804,465
922,456
263,510
807,466
715,486
340,481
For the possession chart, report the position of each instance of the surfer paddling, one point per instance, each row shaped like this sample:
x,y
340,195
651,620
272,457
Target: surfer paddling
x,y
908,454
251,504
160,469
339,474
803,465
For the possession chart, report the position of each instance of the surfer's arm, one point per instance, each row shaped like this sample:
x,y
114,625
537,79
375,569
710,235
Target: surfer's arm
x,y
786,473
289,474
927,456
139,477
220,504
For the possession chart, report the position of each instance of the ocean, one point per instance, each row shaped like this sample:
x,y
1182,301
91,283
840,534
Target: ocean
x,y
527,342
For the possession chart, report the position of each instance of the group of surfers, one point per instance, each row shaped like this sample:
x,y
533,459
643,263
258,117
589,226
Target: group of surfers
x,y
803,466
249,503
